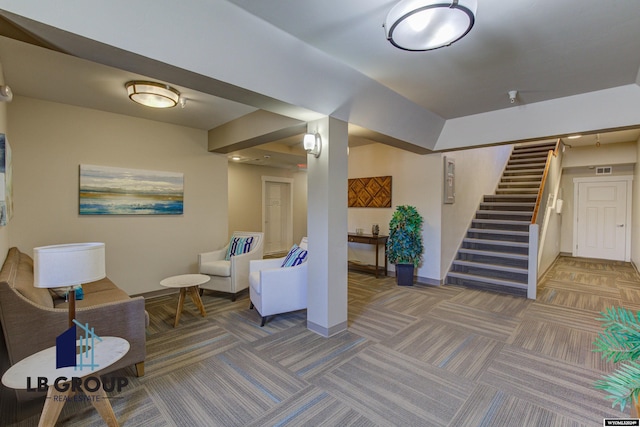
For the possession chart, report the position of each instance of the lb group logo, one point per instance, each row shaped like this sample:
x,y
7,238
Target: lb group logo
x,y
81,355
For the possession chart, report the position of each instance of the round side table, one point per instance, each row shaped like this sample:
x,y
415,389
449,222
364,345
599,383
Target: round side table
x,y
190,283
43,365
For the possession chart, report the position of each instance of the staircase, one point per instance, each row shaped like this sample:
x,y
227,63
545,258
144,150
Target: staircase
x,y
494,253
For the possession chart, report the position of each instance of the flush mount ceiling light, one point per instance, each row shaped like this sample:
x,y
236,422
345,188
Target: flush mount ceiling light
x,y
419,25
312,143
152,94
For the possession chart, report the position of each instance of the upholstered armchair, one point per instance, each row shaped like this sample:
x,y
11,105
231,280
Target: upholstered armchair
x,y
229,266
275,289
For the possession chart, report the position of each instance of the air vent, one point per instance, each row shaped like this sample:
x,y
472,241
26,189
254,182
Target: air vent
x,y
604,170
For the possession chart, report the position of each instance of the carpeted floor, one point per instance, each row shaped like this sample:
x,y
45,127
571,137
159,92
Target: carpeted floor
x,y
412,356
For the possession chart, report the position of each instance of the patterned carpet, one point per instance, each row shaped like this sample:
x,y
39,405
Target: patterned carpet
x,y
412,356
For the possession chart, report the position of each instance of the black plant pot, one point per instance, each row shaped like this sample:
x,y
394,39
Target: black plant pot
x,y
404,274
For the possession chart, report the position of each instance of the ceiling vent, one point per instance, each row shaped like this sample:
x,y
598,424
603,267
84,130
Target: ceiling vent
x,y
604,170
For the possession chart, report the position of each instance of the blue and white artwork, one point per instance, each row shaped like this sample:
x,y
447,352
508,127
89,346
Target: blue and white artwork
x,y
118,191
6,184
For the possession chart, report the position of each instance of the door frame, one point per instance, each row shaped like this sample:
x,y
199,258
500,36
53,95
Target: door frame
x,y
288,226
597,179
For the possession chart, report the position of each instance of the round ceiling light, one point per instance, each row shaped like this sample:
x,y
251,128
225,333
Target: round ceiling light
x,y
419,25
152,94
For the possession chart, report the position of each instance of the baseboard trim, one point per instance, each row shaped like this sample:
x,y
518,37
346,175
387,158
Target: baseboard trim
x,y
156,294
327,332
429,281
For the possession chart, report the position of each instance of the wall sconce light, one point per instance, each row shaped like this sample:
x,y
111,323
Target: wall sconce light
x,y
152,94
312,143
5,93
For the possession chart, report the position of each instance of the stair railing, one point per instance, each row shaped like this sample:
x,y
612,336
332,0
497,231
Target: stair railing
x,y
534,229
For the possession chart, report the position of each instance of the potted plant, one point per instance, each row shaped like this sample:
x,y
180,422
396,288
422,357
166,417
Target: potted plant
x,y
404,246
620,342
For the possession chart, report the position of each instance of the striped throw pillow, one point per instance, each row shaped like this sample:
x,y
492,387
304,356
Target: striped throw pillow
x,y
296,256
239,246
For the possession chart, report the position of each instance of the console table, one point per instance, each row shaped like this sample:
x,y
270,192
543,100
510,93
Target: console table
x,y
369,239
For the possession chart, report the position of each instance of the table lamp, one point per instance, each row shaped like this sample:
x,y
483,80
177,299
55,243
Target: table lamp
x,y
69,265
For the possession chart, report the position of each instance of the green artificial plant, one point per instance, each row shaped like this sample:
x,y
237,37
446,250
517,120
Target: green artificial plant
x,y
404,245
620,342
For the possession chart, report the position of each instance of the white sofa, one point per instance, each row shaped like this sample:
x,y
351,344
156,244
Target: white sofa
x,y
275,289
230,276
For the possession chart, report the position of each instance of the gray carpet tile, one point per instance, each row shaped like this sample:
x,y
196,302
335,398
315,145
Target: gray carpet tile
x,y
549,383
412,356
394,389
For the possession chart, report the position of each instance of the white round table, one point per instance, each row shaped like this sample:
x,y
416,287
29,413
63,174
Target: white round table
x,y
26,373
190,283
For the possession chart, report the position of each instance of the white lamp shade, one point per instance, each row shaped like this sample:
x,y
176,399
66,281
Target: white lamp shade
x,y
420,25
309,141
67,265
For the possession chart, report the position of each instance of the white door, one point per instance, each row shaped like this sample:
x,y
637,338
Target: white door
x,y
602,220
276,216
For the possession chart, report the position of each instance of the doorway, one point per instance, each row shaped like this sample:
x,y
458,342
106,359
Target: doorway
x,y
602,217
277,214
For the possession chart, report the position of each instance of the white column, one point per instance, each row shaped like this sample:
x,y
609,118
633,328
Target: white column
x,y
327,229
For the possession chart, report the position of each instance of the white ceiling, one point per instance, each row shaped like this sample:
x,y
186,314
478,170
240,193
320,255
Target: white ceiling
x,y
544,49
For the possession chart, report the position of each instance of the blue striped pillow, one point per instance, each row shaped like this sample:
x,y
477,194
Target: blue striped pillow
x,y
296,256
239,246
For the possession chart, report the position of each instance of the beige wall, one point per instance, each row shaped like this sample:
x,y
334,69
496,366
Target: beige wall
x,y
51,140
4,231
477,172
605,155
245,197
416,181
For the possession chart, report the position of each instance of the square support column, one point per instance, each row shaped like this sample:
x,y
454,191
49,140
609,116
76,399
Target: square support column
x,y
327,229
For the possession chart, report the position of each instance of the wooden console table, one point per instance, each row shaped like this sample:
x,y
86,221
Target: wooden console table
x,y
369,239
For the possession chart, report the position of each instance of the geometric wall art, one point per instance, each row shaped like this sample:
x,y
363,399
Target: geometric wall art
x,y
118,191
374,192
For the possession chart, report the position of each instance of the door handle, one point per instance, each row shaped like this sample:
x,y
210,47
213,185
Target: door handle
x,y
620,225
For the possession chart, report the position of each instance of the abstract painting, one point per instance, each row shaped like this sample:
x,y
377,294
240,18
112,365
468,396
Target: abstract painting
x,y
119,191
6,184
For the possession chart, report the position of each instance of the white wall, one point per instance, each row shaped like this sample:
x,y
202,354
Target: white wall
x,y
477,172
550,223
4,231
245,197
51,140
635,214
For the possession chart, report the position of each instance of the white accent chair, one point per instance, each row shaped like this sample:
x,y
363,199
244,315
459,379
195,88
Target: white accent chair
x,y
274,289
230,276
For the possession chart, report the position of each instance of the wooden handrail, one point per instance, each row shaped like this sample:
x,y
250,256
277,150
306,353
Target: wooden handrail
x,y
541,189
555,151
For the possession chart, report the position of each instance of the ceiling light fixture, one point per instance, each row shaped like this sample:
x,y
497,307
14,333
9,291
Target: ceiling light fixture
x,y
419,25
152,94
312,143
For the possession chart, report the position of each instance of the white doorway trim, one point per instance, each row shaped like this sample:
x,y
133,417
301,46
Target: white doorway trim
x,y
629,180
287,224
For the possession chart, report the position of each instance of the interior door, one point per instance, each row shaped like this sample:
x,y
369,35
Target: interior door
x,y
276,216
601,226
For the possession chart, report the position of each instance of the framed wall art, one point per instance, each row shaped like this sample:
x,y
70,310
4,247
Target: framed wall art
x,y
6,181
374,192
449,194
118,191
